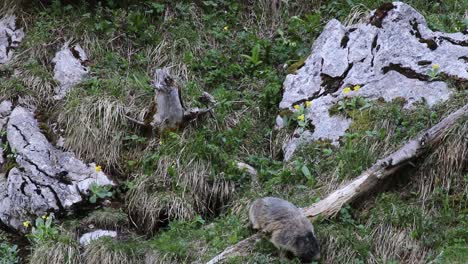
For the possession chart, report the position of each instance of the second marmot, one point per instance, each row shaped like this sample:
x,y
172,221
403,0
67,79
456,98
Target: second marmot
x,y
286,226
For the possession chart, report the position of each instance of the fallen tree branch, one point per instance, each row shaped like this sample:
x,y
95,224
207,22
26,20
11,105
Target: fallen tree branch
x,y
365,182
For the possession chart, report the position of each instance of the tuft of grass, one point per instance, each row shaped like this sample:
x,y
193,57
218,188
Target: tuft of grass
x,y
194,241
446,166
107,218
174,192
94,128
109,251
56,252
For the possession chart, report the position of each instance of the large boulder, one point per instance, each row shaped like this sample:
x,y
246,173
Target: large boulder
x,y
388,57
10,37
45,179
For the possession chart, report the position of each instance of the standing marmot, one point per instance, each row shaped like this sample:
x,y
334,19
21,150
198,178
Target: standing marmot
x,y
286,226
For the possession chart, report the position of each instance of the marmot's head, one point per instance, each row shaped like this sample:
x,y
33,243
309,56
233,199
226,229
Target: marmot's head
x,y
307,247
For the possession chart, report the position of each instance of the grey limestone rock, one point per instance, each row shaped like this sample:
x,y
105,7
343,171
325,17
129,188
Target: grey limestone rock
x,y
45,179
10,37
389,57
70,68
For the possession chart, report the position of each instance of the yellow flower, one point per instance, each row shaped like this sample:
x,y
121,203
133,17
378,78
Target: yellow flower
x,y
346,90
297,107
308,103
356,88
301,117
435,66
47,218
26,224
44,217
226,28
98,168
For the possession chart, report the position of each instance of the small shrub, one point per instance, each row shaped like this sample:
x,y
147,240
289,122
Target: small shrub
x,y
8,253
99,191
43,230
254,58
434,72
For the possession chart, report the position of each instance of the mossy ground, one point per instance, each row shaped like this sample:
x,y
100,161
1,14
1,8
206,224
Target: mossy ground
x,y
203,43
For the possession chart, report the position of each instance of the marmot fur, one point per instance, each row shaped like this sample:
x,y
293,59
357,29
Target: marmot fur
x,y
286,226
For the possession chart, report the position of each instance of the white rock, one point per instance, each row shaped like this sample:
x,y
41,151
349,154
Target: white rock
x,y
387,62
46,179
85,239
10,37
69,69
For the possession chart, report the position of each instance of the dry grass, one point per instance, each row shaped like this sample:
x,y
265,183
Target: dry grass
x,y
105,251
154,257
390,243
334,251
107,218
42,86
358,14
387,244
179,192
9,6
55,253
94,128
446,166
267,16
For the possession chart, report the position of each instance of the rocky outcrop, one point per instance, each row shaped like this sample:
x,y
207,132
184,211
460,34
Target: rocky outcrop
x,y
391,56
10,37
70,68
45,179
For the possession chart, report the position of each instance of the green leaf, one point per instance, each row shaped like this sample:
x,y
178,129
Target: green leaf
x,y
246,57
93,198
256,54
306,172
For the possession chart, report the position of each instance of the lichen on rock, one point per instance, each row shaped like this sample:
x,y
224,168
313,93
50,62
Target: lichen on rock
x,y
389,57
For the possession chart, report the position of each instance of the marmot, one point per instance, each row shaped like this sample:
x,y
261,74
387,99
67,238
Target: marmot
x,y
286,226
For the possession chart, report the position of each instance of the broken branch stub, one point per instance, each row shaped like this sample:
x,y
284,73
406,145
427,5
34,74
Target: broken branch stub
x,y
367,181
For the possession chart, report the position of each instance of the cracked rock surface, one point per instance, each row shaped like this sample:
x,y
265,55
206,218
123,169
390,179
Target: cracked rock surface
x,y
70,68
44,179
10,37
388,57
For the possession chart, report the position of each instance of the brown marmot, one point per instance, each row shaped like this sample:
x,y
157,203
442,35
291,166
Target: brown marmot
x,y
286,226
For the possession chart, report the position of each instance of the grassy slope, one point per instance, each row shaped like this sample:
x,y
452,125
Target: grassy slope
x,y
203,42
